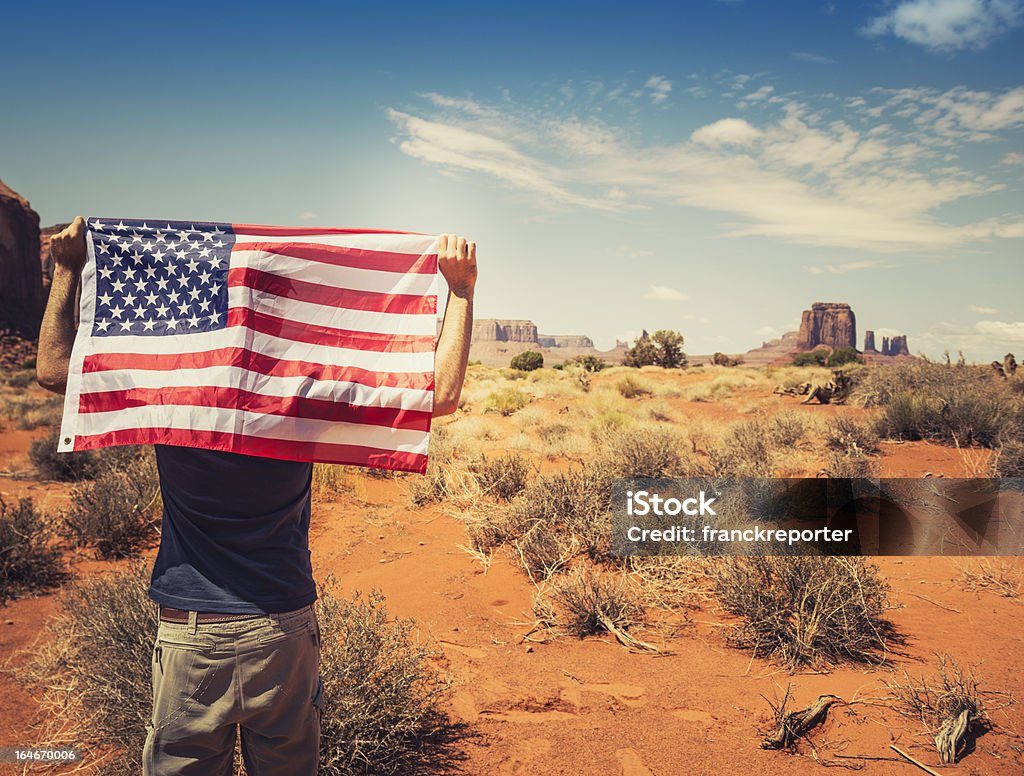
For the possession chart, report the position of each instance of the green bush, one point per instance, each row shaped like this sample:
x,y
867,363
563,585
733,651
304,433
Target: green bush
x,y
809,358
590,364
28,560
842,356
527,361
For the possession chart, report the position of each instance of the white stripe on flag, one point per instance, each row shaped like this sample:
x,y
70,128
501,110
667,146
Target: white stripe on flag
x,y
255,424
281,387
335,277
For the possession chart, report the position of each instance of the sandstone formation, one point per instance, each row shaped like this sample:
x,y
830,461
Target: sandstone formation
x,y
827,323
45,261
496,341
21,287
869,342
895,346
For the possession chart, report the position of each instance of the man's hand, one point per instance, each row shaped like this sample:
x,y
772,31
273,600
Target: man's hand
x,y
456,260
68,247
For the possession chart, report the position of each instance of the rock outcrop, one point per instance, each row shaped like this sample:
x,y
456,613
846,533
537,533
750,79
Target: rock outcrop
x,y
21,286
869,342
827,323
564,341
45,261
895,346
496,341
494,330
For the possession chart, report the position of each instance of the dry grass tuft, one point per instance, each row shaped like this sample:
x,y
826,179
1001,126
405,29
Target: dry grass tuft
x,y
995,575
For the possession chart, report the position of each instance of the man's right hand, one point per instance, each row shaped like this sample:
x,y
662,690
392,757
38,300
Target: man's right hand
x,y
68,247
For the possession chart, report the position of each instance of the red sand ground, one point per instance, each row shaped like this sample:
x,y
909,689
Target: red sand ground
x,y
589,706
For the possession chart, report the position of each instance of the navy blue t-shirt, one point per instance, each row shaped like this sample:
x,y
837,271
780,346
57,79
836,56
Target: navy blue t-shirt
x,y
235,533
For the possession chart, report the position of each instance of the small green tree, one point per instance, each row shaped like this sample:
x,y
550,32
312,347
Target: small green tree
x,y
664,348
588,363
527,361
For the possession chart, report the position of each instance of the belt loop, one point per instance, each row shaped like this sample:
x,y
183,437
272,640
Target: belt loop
x,y
193,623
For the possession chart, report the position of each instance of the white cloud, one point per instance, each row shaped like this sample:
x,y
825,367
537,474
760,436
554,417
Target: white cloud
x,y
1005,331
665,294
1013,158
948,25
796,174
726,132
839,269
982,310
817,59
659,87
307,215
761,94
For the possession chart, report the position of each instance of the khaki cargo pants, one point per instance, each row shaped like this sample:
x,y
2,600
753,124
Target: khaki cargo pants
x,y
259,675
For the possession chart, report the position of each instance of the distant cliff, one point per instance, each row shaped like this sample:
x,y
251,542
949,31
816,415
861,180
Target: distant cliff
x,y
496,340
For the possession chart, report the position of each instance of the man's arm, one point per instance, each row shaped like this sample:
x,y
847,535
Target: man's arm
x,y
456,260
57,331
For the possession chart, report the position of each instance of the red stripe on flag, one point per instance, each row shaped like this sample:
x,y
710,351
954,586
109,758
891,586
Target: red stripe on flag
x,y
344,256
248,401
329,296
327,452
290,230
256,362
328,336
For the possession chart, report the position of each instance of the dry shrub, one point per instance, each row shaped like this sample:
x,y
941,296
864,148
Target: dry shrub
x,y
642,451
91,666
951,706
434,484
32,409
671,582
631,388
503,477
1010,460
747,450
853,465
586,602
995,575
506,401
330,481
787,428
382,698
845,434
806,610
573,502
116,512
954,403
28,561
544,552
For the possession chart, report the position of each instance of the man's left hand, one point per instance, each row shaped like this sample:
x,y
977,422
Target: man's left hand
x,y
456,260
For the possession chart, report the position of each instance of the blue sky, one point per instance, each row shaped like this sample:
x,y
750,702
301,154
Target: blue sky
x,y
713,168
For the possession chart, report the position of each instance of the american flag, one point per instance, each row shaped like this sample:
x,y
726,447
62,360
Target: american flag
x,y
305,344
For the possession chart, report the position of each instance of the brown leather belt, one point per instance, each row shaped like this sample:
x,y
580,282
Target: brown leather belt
x,y
169,614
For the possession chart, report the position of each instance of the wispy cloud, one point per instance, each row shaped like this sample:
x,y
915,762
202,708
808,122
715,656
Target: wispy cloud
x,y
665,294
1012,158
816,59
840,269
948,25
859,179
659,88
982,310
307,215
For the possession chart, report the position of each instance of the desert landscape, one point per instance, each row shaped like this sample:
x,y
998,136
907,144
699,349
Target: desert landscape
x,y
526,648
